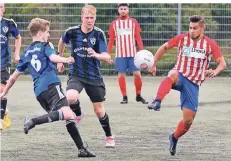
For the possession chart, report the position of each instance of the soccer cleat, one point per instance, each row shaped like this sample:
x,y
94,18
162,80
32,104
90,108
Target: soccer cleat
x,y
78,119
7,121
84,153
155,105
28,124
139,98
173,143
125,100
110,142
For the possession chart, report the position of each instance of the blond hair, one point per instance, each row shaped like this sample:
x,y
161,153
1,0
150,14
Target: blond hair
x,y
38,24
88,9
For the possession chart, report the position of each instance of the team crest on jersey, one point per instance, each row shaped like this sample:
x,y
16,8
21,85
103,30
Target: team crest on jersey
x,y
186,50
93,40
5,29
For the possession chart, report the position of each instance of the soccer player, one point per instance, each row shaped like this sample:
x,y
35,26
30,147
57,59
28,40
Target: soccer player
x,y
39,59
8,27
126,31
195,51
88,47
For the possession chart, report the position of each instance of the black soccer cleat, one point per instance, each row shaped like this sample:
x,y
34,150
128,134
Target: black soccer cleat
x,y
28,124
155,105
84,153
173,143
125,100
139,98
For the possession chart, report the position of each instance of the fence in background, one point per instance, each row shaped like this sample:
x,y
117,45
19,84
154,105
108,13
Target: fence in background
x,y
159,22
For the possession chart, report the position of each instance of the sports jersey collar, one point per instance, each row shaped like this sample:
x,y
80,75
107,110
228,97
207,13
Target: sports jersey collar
x,y
35,42
87,32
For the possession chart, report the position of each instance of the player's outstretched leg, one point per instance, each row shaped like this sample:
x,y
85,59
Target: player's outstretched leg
x,y
155,105
65,113
164,89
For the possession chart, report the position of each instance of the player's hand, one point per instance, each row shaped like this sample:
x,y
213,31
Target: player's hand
x,y
92,53
60,67
70,60
2,95
211,73
16,59
152,71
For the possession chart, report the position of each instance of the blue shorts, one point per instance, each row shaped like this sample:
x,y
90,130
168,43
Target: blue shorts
x,y
189,93
125,65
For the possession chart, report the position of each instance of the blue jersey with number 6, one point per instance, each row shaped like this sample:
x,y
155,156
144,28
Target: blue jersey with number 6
x,y
36,59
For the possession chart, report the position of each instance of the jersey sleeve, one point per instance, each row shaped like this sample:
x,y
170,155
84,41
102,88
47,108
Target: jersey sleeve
x,y
216,51
66,37
173,42
49,49
137,27
22,64
13,28
102,45
111,31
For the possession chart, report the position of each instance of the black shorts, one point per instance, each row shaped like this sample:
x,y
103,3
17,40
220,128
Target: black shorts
x,y
5,75
96,93
52,99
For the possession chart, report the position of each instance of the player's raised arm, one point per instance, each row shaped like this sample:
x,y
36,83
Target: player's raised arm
x,y
58,59
104,56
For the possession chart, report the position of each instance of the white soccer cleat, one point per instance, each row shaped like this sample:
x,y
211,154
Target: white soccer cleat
x,y
110,142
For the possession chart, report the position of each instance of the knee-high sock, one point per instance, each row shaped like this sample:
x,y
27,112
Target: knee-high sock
x,y
181,129
164,88
76,108
122,84
138,85
75,135
3,108
50,117
104,121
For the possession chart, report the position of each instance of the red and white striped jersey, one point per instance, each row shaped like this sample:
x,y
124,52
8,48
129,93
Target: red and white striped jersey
x,y
194,56
124,32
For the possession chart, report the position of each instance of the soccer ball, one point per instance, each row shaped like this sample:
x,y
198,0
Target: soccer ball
x,y
144,59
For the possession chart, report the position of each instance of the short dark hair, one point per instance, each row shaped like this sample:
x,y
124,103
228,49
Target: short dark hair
x,y
123,4
197,18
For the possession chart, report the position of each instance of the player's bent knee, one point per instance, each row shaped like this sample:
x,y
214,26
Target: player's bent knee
x,y
99,109
67,113
137,74
72,96
173,74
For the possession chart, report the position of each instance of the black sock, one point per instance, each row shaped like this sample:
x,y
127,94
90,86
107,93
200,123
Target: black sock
x,y
76,108
104,121
73,131
50,117
3,108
